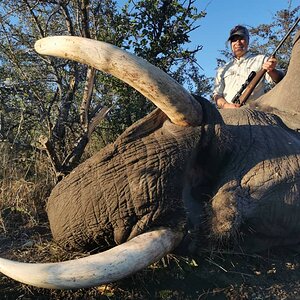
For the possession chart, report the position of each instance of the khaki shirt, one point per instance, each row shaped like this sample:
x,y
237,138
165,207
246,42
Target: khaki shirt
x,y
232,76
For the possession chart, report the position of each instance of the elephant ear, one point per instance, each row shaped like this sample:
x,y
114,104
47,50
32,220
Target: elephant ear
x,y
284,99
181,108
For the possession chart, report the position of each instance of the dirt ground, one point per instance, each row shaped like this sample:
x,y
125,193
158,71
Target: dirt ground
x,y
212,275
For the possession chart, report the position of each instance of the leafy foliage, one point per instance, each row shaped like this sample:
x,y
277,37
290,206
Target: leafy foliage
x,y
266,37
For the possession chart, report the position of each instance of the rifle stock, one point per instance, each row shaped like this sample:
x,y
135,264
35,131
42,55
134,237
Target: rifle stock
x,y
251,86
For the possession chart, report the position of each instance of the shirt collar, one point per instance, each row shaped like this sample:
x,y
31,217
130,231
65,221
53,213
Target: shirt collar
x,y
245,56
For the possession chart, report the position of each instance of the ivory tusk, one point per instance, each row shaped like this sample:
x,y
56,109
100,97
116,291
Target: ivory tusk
x,y
150,81
93,270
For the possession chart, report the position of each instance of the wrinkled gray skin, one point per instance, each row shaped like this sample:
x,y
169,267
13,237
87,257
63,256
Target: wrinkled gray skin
x,y
235,178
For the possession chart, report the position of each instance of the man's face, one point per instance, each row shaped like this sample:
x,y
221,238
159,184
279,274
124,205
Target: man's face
x,y
239,45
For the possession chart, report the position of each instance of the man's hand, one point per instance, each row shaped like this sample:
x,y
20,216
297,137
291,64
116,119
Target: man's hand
x,y
270,64
231,105
270,67
222,103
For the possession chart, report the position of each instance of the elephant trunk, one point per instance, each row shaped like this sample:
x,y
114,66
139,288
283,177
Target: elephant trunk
x,y
105,267
150,81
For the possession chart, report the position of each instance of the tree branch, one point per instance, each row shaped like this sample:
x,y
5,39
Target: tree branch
x,y
86,98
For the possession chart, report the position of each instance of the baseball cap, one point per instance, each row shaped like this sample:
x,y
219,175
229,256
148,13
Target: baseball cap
x,y
239,30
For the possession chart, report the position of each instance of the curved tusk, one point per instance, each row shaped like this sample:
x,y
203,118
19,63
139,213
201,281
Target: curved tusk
x,y
105,267
150,81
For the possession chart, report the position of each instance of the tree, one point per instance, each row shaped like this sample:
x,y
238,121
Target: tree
x,y
266,37
63,102
159,33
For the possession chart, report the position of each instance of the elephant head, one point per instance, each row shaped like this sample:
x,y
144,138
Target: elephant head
x,y
183,172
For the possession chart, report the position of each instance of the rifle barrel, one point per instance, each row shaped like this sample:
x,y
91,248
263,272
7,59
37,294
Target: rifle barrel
x,y
285,37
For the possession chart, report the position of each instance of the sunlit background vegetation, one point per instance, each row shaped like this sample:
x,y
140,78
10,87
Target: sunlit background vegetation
x,y
49,123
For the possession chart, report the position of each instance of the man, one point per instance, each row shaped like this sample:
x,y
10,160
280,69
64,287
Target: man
x,y
232,76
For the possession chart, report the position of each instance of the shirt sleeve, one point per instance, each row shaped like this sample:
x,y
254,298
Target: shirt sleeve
x,y
219,84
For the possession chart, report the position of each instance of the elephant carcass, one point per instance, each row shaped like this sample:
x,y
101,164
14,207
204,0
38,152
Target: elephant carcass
x,y
233,176
129,200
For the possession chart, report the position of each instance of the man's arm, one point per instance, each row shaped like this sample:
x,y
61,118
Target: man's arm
x,y
270,67
219,90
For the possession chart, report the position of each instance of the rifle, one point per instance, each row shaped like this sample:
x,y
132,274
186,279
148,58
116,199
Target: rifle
x,y
254,78
238,95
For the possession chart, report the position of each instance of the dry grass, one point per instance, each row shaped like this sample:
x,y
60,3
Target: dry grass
x,y
25,183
